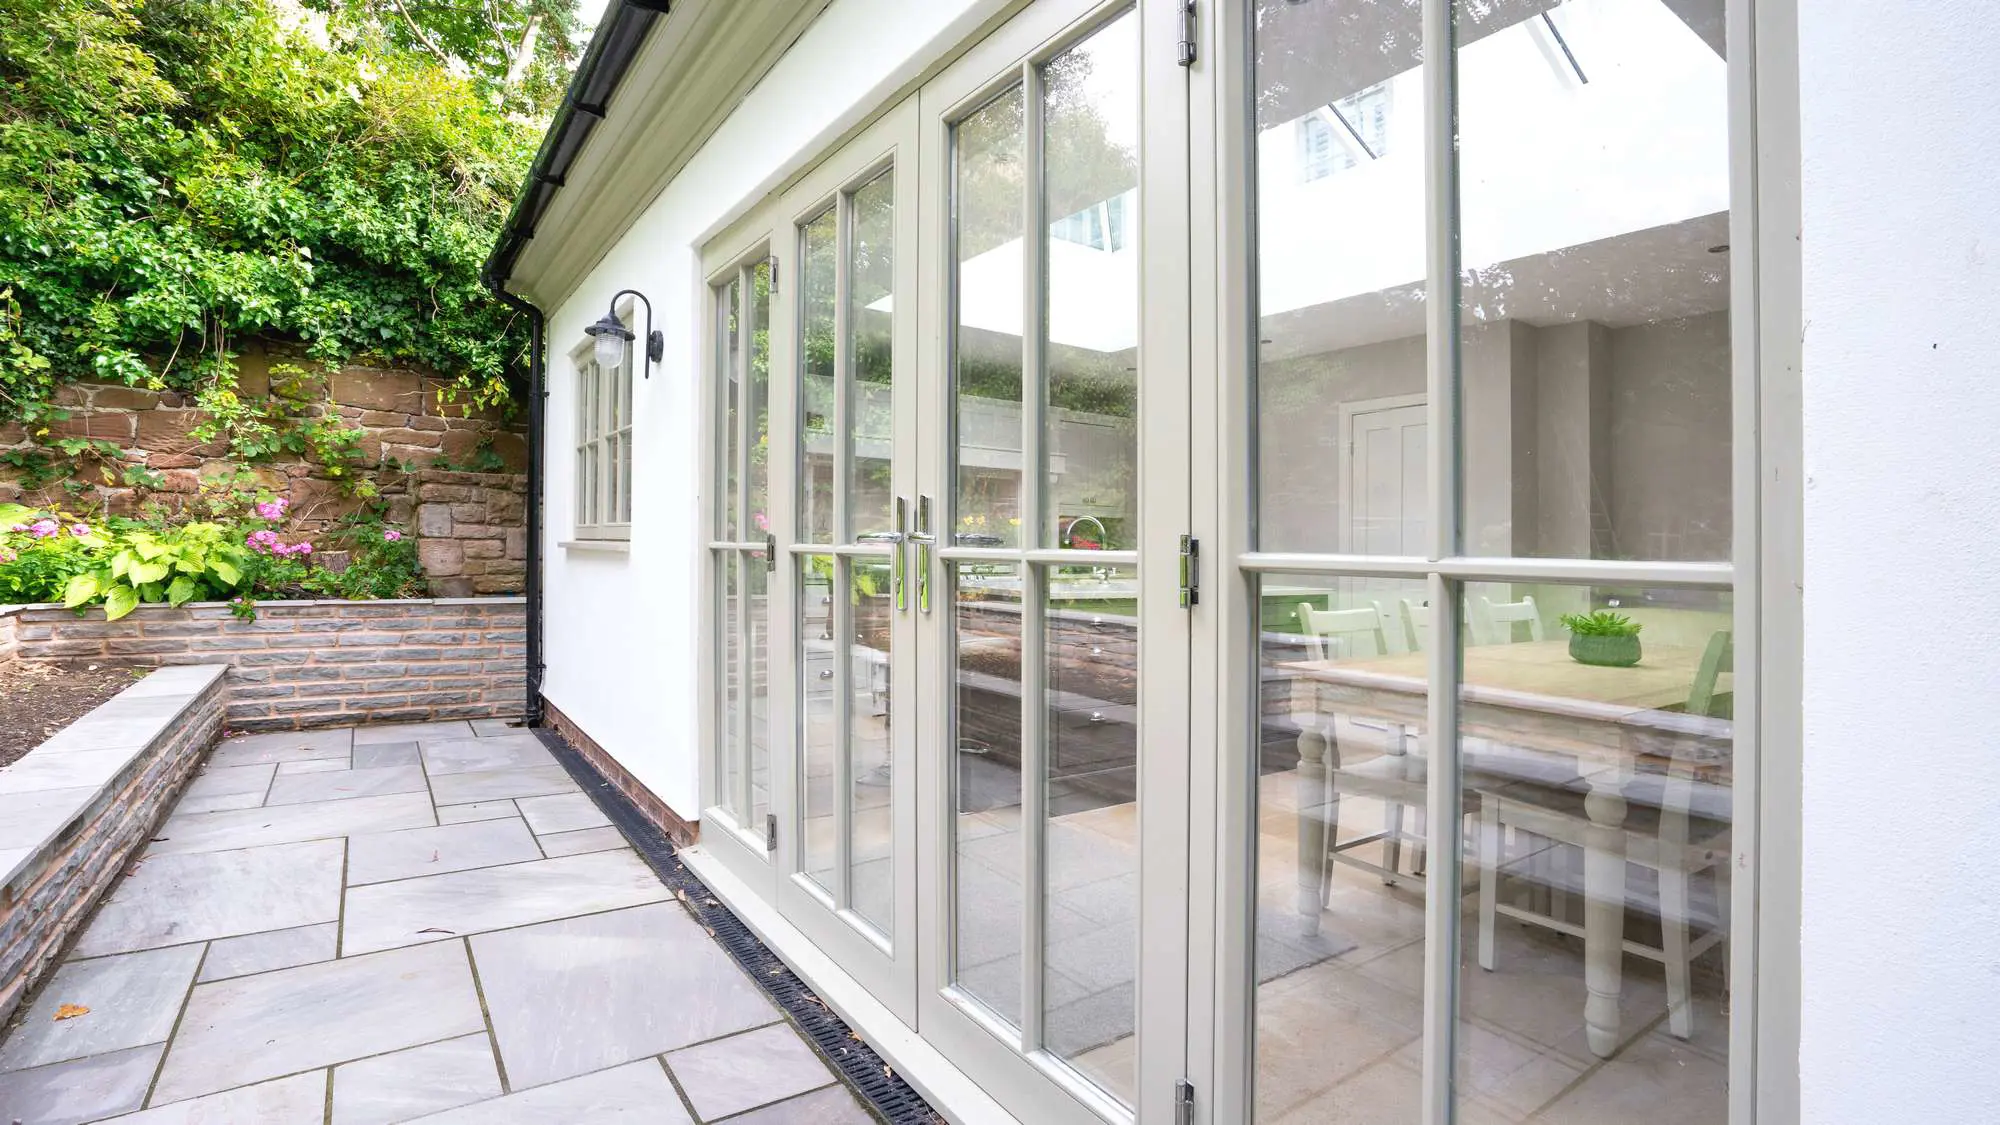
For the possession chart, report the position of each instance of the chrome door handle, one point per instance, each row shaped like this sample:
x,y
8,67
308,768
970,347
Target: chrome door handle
x,y
925,539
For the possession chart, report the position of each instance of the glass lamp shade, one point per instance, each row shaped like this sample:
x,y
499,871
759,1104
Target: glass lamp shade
x,y
611,338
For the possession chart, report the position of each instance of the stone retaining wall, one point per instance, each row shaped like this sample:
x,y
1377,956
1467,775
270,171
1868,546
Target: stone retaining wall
x,y
311,664
79,805
9,646
417,451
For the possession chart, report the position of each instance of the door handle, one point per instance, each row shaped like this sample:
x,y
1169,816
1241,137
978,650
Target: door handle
x,y
925,539
897,575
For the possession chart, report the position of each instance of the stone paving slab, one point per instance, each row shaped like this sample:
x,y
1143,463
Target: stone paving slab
x,y
581,994
252,1028
476,810
296,1100
275,949
636,1092
87,1089
410,1083
175,898
249,828
378,857
441,907
132,1001
343,785
322,962
587,840
500,784
744,1071
564,812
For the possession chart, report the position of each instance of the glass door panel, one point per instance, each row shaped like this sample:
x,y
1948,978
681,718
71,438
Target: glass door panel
x,y
848,459
1042,732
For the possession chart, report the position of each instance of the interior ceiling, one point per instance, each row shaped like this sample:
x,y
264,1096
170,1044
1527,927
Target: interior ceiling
x,y
1311,52
1664,273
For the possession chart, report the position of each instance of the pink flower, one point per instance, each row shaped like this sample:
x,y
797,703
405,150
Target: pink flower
x,y
19,527
7,556
79,529
391,535
273,509
43,528
762,521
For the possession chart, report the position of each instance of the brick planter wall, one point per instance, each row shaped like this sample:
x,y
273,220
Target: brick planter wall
x,y
80,804
311,664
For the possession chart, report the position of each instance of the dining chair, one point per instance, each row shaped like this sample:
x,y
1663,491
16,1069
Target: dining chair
x,y
1395,777
1676,825
1495,620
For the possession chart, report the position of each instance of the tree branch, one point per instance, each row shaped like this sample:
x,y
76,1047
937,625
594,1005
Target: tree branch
x,y
428,44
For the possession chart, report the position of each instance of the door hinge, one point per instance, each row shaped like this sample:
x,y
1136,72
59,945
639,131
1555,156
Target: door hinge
x,y
1183,1102
771,552
772,263
1187,33
1190,571
770,832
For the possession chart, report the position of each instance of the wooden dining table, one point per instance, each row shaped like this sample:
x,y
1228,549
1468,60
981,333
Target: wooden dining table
x,y
1610,722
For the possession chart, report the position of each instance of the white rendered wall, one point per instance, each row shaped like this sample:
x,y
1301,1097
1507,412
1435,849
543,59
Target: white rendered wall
x,y
623,630
1901,935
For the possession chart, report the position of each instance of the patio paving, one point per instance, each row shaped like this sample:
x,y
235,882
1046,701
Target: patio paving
x,y
428,922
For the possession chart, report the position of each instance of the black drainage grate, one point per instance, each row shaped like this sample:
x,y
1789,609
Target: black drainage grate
x,y
855,1060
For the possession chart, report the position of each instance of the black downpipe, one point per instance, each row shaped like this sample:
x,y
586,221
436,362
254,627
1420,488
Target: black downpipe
x,y
537,395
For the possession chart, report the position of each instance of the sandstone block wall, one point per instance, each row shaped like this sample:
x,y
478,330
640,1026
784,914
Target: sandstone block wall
x,y
313,664
414,443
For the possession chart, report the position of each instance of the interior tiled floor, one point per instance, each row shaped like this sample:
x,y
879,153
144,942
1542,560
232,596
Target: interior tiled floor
x,y
424,922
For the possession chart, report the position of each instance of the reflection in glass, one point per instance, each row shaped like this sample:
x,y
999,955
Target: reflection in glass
x,y
1341,793
817,274
987,849
1341,375
755,674
1594,208
758,403
1090,314
871,262
730,310
1091,839
729,661
819,719
1594,986
871,778
987,195
586,427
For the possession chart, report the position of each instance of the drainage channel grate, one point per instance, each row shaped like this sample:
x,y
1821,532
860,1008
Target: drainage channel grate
x,y
856,1061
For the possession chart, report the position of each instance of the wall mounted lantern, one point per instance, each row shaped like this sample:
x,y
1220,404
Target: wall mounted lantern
x,y
612,335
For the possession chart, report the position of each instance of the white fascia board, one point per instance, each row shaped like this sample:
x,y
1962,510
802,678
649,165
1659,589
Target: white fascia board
x,y
696,65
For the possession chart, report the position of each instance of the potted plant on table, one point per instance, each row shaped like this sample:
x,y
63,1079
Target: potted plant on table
x,y
1603,638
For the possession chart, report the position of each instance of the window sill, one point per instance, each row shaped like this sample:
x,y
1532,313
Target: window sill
x,y
598,546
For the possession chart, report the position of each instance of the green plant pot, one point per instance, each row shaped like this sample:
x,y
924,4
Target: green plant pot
x,y
1605,652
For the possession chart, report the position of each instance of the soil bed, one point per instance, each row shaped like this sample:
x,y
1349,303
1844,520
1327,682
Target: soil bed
x,y
37,700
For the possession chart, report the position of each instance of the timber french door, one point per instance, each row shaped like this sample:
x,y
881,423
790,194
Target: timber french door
x,y
1054,824
813,782
949,700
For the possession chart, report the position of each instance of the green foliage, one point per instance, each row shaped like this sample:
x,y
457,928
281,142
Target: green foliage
x,y
1602,623
177,176
176,565
120,564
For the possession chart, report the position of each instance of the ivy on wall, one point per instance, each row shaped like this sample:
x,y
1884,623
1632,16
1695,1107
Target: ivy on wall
x,y
179,176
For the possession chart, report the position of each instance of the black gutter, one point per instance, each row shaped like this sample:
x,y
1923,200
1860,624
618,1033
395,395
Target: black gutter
x,y
612,48
537,394
614,45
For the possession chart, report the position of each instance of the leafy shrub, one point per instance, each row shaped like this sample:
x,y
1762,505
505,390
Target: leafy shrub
x,y
121,564
1602,623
